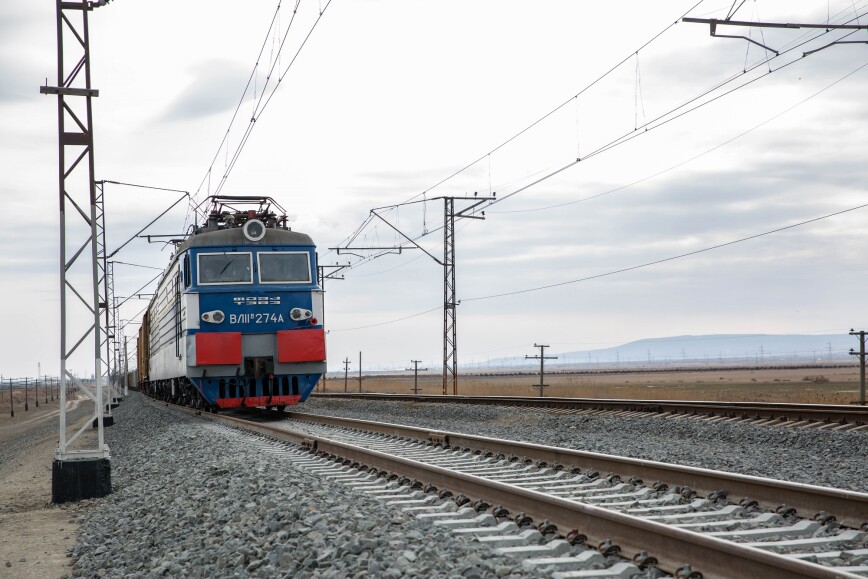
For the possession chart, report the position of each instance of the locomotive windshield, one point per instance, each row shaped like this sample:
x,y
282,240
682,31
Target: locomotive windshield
x,y
284,267
225,268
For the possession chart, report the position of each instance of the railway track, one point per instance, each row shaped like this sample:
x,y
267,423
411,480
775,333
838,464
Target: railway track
x,y
566,511
782,415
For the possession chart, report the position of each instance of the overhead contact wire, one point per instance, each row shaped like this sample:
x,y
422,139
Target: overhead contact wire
x,y
622,270
669,115
556,109
261,110
691,159
241,101
667,259
660,120
560,106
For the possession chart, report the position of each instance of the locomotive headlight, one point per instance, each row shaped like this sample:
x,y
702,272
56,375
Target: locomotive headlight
x,y
254,230
298,314
213,317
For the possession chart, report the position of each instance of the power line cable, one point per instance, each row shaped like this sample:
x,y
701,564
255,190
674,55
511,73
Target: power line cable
x,y
438,308
132,319
560,106
241,100
153,279
667,259
554,110
154,220
660,120
663,119
136,265
258,113
691,159
144,186
405,245
615,272
259,107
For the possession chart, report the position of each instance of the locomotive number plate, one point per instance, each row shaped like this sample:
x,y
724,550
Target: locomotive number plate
x,y
255,318
257,301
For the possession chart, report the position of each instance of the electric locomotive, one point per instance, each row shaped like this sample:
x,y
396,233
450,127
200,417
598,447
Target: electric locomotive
x,y
236,320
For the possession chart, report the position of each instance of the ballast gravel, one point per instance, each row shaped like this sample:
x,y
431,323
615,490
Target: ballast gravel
x,y
819,457
193,500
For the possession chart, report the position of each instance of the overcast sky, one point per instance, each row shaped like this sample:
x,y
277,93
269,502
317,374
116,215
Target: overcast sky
x,y
387,98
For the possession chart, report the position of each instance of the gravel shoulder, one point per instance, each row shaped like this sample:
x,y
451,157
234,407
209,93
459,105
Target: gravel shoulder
x,y
194,499
835,459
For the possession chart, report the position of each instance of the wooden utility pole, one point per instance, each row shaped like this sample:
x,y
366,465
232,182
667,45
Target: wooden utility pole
x,y
861,354
415,369
542,358
346,372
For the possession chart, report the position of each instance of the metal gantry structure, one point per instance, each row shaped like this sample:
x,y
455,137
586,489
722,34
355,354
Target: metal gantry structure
x,y
324,272
126,367
79,261
450,300
714,23
107,302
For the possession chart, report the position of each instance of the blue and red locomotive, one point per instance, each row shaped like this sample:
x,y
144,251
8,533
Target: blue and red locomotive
x,y
237,318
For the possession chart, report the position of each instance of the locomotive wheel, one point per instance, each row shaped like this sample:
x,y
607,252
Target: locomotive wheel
x,y
281,407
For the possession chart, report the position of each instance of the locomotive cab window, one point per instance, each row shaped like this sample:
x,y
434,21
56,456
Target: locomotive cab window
x,y
284,267
224,268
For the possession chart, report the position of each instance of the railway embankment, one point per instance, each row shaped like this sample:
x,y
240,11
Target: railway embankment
x,y
195,499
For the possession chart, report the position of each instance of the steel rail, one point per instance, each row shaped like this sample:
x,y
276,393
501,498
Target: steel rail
x,y
849,507
671,546
769,410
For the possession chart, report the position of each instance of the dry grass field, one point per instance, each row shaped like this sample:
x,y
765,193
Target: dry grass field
x,y
835,385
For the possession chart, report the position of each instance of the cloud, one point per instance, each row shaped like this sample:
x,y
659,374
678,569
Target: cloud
x,y
214,89
19,80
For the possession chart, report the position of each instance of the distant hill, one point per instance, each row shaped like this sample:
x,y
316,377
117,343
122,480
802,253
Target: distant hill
x,y
712,349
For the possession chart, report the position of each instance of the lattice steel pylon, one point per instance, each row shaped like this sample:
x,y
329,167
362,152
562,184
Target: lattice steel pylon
x,y
111,345
105,294
79,272
117,366
450,326
450,301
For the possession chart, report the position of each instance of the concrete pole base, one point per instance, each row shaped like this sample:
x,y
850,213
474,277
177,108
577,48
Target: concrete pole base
x,y
76,480
106,421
